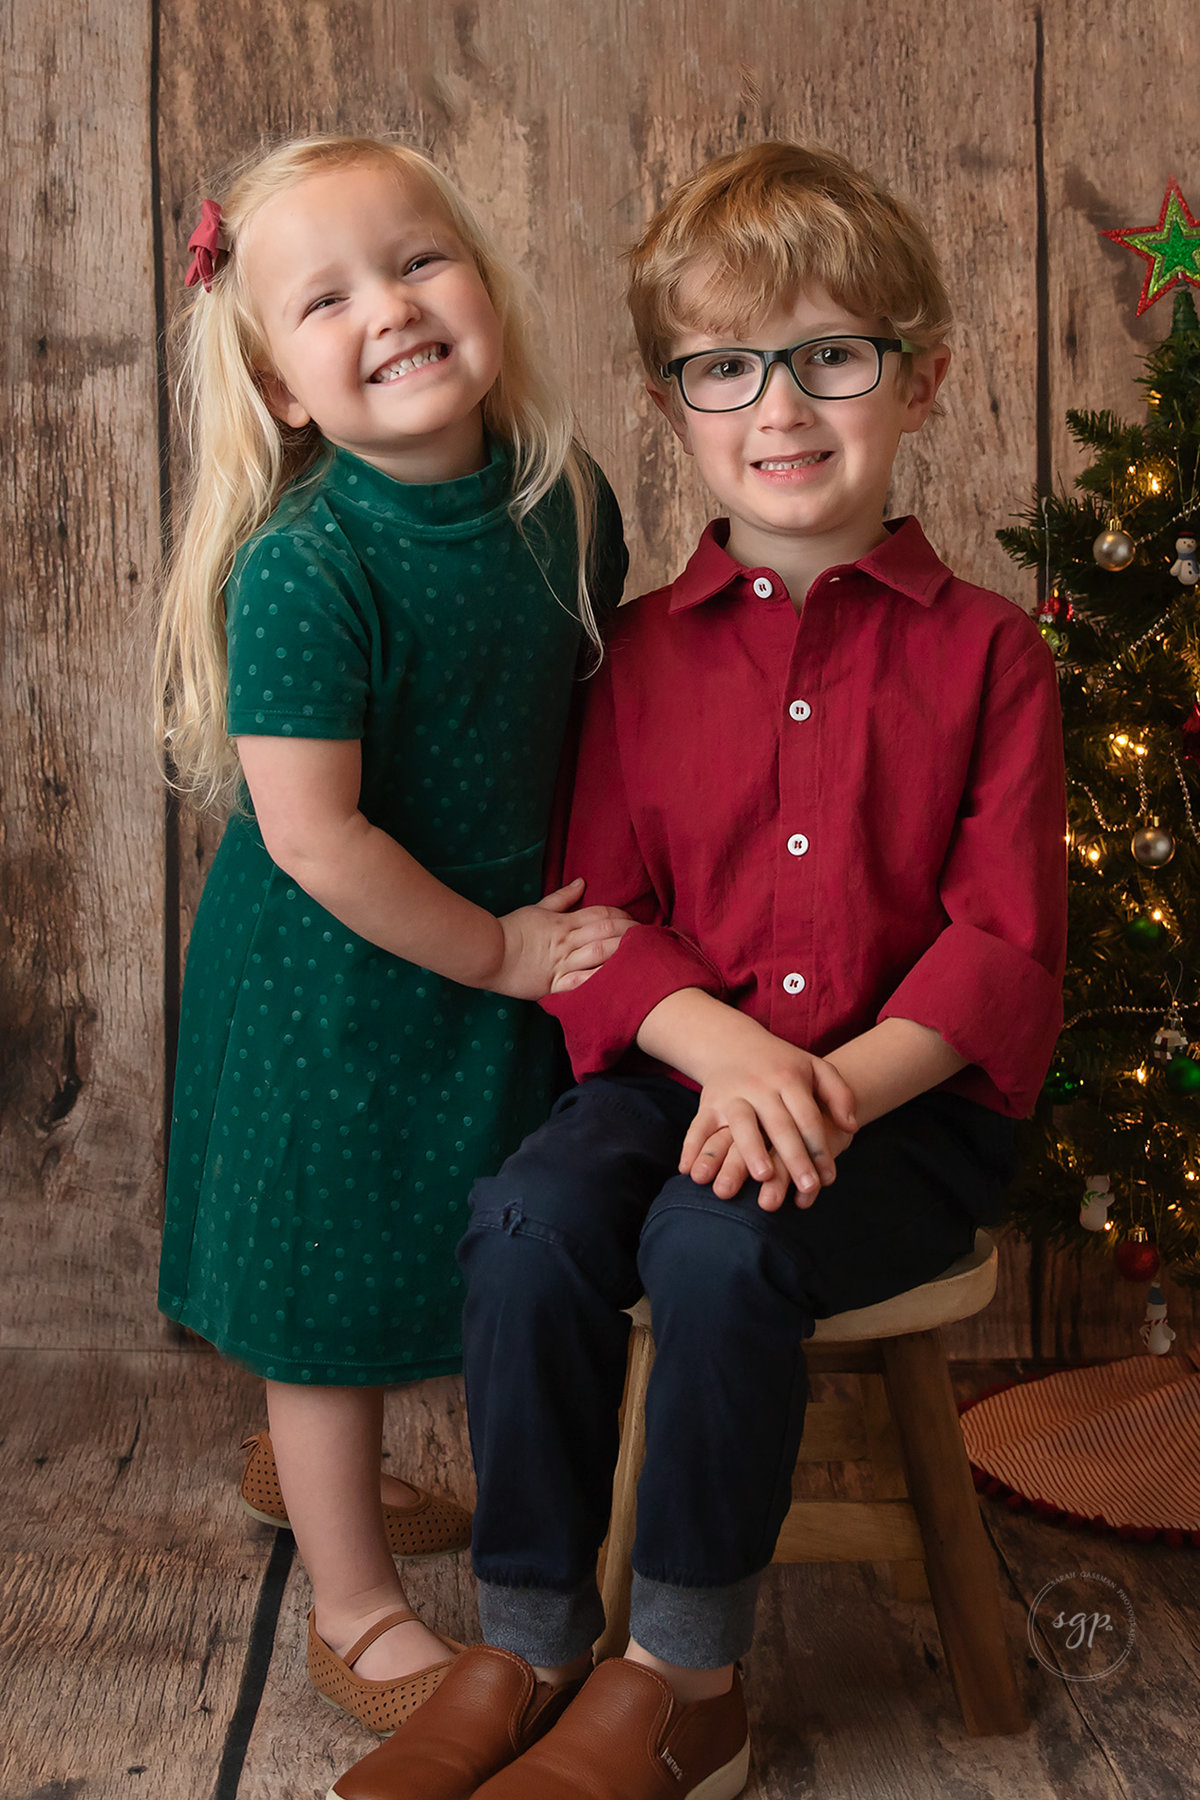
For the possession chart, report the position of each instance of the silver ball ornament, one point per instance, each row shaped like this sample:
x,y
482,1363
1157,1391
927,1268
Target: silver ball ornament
x,y
1114,549
1153,846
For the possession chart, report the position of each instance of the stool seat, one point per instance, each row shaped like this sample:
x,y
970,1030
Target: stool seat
x,y
963,1289
960,1291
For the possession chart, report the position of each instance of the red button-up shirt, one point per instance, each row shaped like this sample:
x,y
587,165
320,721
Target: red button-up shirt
x,y
827,820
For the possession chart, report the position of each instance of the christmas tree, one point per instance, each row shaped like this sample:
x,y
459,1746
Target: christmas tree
x,y
1112,1155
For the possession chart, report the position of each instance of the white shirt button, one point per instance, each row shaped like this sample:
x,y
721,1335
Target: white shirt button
x,y
763,588
800,709
798,844
793,984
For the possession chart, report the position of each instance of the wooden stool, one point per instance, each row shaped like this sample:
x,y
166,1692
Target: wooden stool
x,y
925,1518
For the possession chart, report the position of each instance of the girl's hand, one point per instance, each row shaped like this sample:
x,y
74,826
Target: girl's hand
x,y
549,947
721,1165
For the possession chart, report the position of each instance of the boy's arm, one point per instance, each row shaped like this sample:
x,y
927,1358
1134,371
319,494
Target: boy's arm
x,y
990,984
601,1011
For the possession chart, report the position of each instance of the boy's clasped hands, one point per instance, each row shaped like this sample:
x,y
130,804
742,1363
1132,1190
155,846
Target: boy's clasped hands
x,y
769,1111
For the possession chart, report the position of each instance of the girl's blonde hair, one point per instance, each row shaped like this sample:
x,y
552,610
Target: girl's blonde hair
x,y
751,230
242,457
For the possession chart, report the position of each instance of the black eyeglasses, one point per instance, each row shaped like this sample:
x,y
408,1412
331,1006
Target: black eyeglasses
x,y
827,368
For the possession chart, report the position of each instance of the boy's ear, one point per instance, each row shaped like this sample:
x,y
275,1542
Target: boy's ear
x,y
928,373
282,404
676,415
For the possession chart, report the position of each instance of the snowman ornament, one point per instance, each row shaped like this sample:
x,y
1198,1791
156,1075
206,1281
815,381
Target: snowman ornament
x,y
1186,568
1156,1334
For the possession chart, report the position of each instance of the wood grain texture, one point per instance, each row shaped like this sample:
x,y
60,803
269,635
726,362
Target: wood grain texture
x,y
128,1573
129,1579
82,838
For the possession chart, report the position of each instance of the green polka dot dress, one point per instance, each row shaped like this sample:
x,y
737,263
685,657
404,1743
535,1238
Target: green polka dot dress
x,y
334,1103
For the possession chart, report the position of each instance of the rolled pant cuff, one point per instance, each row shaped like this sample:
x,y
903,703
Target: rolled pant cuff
x,y
547,1628
694,1627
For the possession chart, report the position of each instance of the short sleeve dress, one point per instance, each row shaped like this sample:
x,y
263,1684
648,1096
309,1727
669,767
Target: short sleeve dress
x,y
334,1103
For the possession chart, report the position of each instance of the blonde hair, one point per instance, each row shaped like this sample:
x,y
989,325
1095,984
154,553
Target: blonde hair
x,y
242,457
760,225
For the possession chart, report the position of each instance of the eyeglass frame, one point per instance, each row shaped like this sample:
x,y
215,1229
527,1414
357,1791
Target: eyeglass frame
x,y
673,370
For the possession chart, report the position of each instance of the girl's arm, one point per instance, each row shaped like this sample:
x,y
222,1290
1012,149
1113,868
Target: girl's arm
x,y
306,792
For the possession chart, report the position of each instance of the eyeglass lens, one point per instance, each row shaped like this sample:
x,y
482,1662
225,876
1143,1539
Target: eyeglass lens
x,y
828,369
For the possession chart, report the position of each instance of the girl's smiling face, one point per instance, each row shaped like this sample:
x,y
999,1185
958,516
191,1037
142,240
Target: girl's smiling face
x,y
377,323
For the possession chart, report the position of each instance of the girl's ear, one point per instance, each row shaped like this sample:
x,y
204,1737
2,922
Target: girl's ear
x,y
281,402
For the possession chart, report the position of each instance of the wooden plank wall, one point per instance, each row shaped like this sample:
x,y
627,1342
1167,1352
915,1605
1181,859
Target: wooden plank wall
x,y
1019,132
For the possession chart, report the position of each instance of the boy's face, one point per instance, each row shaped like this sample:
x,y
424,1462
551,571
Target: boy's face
x,y
804,481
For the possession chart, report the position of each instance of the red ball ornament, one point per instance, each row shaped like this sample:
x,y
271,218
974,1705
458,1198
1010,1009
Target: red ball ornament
x,y
1137,1259
1190,733
1055,609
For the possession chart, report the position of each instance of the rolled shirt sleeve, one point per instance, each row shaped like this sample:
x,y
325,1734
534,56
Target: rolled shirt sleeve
x,y
991,983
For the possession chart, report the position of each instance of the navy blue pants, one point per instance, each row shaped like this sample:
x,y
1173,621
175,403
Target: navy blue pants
x,y
589,1214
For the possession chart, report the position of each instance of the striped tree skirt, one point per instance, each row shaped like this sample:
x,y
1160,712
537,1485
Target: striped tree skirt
x,y
1114,1447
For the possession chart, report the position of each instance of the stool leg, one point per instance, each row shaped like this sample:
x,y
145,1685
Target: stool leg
x,y
616,1572
958,1558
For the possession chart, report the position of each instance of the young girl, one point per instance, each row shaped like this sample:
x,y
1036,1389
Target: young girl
x,y
388,563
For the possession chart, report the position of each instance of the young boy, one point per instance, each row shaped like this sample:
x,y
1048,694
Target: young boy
x,y
826,778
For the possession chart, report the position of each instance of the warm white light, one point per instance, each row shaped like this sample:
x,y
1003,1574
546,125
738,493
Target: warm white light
x,y
1157,916
1155,485
1108,1224
1120,740
1139,749
1142,1073
1093,856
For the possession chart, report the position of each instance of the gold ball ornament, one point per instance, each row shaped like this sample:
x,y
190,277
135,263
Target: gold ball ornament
x,y
1153,846
1114,549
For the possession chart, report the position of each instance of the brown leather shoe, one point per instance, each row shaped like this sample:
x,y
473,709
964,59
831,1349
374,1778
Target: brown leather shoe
x,y
432,1523
487,1710
625,1738
379,1705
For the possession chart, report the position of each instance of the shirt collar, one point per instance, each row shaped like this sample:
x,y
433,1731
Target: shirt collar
x,y
906,562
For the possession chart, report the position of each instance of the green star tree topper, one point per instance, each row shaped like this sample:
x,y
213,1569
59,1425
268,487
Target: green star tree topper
x,y
1172,247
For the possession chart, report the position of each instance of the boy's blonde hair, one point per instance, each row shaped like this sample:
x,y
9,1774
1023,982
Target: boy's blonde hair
x,y
757,227
242,457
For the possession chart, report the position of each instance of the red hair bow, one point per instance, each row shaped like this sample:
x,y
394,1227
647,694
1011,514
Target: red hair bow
x,y
206,244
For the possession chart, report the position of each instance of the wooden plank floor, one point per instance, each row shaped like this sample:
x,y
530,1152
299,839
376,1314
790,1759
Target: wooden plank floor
x,y
152,1637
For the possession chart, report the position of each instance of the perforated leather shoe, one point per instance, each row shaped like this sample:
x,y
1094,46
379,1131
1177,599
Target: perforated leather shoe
x,y
432,1524
488,1709
626,1738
